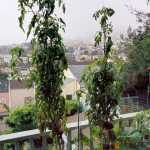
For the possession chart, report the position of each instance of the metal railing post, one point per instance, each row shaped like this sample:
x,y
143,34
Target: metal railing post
x,y
17,145
80,139
91,135
69,145
1,146
31,144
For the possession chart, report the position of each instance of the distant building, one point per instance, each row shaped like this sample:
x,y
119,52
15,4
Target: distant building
x,y
1,59
7,58
20,94
4,100
72,82
70,56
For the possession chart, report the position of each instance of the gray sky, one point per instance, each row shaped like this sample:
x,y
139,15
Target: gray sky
x,y
78,17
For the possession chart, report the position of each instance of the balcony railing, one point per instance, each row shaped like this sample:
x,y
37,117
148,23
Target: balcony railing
x,y
32,134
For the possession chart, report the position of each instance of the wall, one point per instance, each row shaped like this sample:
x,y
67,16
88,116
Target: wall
x,y
68,74
70,88
17,96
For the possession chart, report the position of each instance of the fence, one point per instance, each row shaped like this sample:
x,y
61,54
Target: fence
x,y
76,128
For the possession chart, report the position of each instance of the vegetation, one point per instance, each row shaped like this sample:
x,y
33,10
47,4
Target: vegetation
x,y
142,123
136,47
48,63
73,106
130,135
26,146
135,135
102,78
22,119
102,81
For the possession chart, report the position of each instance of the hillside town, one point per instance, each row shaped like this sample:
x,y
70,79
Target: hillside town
x,y
76,80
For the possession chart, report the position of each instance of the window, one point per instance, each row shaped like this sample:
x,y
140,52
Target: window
x,y
69,97
28,100
3,101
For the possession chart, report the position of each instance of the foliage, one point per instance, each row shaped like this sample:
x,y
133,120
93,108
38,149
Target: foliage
x,y
22,119
138,133
48,62
26,146
136,47
9,146
117,130
127,135
102,80
131,135
73,107
142,122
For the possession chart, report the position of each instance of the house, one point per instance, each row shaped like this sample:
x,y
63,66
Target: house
x,y
4,100
20,94
72,82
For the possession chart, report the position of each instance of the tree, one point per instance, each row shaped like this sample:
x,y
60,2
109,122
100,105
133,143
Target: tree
x,y
136,47
102,81
48,62
22,118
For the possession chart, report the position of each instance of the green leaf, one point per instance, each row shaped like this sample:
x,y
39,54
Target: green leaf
x,y
33,42
33,21
108,45
41,5
37,29
59,3
62,21
103,21
21,23
64,8
29,30
110,12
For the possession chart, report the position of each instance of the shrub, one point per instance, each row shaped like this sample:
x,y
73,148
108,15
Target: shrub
x,y
22,118
73,106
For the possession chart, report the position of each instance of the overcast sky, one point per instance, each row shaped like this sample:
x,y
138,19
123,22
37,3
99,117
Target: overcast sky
x,y
78,17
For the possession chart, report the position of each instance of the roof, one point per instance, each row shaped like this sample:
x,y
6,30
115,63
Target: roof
x,y
15,84
68,80
77,71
